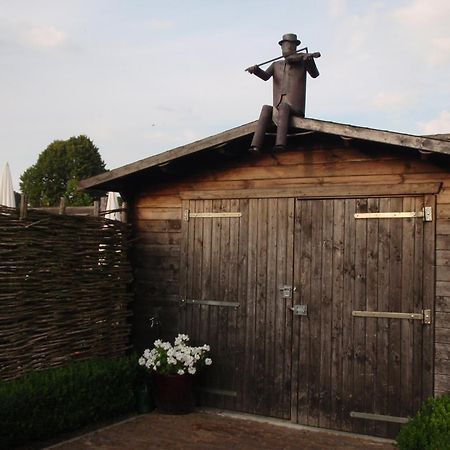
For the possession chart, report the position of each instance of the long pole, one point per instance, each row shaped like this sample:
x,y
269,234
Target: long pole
x,y
279,57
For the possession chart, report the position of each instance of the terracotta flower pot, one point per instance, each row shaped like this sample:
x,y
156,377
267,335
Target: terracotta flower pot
x,y
174,394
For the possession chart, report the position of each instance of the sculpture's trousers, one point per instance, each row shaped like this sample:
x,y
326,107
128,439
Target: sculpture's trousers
x,y
265,119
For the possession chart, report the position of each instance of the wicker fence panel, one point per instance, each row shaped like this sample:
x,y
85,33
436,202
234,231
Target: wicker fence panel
x,y
64,290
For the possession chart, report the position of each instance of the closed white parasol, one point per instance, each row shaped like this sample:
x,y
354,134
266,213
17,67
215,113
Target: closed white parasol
x,y
6,189
111,205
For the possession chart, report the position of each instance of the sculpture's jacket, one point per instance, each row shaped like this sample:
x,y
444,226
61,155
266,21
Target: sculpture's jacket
x,y
289,81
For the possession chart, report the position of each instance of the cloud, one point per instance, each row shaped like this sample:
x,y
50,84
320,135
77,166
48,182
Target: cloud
x,y
440,124
15,34
391,100
160,25
337,8
45,36
432,18
424,13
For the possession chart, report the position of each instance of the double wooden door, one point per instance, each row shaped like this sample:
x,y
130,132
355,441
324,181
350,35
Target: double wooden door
x,y
287,292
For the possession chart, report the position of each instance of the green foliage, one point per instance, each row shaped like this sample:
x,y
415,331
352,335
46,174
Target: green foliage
x,y
57,171
429,429
42,404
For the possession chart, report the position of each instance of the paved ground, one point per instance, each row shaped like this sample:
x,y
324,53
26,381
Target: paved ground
x,y
205,431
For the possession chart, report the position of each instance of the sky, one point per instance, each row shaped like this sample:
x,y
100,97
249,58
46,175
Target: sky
x,y
142,77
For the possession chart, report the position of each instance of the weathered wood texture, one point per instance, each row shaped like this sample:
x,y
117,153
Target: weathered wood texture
x,y
379,251
63,290
442,316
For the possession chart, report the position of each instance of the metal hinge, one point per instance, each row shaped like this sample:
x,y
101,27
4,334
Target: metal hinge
x,y
426,214
425,316
187,214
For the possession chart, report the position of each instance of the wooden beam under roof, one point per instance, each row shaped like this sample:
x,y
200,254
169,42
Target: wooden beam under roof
x,y
167,156
369,134
421,143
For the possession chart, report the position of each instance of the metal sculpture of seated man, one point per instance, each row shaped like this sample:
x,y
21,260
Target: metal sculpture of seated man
x,y
289,89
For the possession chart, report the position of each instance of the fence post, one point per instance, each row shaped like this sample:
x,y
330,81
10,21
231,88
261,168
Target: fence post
x,y
96,208
123,213
62,205
23,207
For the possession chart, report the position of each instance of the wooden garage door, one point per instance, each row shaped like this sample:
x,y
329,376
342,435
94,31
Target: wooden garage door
x,y
247,262
352,372
236,254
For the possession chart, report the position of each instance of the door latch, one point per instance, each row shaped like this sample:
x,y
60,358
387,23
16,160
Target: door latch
x,y
287,291
300,310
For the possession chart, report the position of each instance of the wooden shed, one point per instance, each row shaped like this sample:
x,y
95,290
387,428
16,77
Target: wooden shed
x,y
319,275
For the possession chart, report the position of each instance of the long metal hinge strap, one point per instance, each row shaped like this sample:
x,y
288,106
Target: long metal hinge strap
x,y
425,316
219,392
426,214
379,417
190,301
189,215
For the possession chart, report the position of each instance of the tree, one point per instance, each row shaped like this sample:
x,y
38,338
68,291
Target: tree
x,y
57,172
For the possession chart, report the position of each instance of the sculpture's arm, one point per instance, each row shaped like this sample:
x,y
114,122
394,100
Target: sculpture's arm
x,y
308,58
260,73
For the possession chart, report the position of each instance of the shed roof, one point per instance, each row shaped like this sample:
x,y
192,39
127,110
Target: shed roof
x,y
439,144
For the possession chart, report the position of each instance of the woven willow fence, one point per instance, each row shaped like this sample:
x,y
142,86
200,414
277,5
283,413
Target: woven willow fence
x,y
63,290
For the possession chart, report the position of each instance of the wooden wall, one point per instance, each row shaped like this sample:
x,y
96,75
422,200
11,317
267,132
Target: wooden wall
x,y
442,306
157,214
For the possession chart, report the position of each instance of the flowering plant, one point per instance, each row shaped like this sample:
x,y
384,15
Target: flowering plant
x,y
177,359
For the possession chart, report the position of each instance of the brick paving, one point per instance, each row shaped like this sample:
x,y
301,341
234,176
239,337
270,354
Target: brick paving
x,y
213,431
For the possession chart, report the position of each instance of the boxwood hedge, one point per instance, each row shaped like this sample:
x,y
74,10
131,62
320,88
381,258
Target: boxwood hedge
x,y
43,404
429,429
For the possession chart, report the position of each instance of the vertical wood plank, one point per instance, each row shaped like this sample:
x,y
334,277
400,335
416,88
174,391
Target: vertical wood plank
x,y
407,304
315,311
197,272
286,313
273,375
296,324
326,314
371,305
242,353
184,267
261,307
347,319
418,306
429,253
250,326
233,296
359,324
382,381
395,295
337,325
206,293
303,272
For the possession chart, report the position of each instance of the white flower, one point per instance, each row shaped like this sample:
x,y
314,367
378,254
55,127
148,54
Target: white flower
x,y
177,358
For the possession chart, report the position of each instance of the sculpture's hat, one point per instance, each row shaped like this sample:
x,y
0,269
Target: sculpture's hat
x,y
290,37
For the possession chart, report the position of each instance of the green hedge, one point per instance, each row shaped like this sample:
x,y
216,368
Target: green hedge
x,y
429,429
42,404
